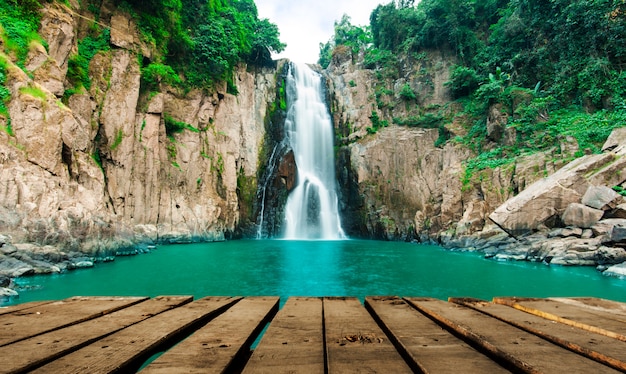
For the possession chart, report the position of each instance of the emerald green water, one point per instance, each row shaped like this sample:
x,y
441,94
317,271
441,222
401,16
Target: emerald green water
x,y
319,268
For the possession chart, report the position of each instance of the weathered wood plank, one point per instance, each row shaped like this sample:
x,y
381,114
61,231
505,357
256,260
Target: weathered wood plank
x,y
355,343
127,349
19,307
594,346
47,317
293,342
523,351
214,347
41,349
429,347
608,322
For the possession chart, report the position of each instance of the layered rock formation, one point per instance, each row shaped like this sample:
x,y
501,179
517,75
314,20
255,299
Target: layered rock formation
x,y
102,175
397,184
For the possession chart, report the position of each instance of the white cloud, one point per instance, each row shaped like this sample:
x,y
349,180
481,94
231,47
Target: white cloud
x,y
304,24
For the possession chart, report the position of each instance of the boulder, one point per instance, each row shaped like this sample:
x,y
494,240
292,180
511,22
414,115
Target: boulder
x,y
610,255
7,292
580,215
601,197
587,234
618,234
617,138
536,205
604,227
616,270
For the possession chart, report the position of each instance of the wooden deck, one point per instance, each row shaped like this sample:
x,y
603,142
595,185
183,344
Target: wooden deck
x,y
175,334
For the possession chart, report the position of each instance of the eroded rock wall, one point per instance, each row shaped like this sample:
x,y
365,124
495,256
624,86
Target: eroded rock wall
x,y
101,173
397,183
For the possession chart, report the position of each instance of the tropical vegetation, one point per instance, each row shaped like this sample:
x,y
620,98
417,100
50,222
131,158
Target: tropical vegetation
x,y
555,68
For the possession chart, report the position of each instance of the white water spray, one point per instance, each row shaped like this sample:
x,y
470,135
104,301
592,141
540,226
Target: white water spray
x,y
311,211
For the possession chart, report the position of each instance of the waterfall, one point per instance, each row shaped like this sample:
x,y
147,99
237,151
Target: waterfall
x,y
271,167
311,211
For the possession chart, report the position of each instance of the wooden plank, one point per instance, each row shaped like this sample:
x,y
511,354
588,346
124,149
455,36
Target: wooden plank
x,y
609,323
523,351
47,317
294,341
127,349
18,307
41,349
430,348
355,343
594,346
222,342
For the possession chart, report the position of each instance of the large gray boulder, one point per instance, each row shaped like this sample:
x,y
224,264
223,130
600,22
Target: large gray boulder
x,y
618,234
538,204
601,197
580,215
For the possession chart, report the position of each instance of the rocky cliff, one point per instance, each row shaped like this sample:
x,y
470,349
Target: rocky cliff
x,y
400,182
102,173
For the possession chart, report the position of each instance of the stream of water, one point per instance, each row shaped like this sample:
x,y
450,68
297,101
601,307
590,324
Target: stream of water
x,y
319,268
311,210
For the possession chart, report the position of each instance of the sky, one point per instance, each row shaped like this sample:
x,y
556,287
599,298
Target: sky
x,y
304,24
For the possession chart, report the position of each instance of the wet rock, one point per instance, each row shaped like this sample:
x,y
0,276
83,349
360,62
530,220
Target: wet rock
x,y
7,292
601,197
580,215
610,255
4,281
13,267
616,270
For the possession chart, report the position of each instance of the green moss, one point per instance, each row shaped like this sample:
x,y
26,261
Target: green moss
x,y
35,92
118,139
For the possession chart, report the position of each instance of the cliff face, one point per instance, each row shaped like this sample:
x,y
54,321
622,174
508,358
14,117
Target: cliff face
x,y
102,169
397,183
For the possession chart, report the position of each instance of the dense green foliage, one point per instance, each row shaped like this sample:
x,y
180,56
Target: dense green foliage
x,y
78,64
196,43
20,22
203,40
554,68
347,35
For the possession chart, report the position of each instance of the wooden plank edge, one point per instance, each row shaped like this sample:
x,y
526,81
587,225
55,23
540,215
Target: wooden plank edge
x,y
586,352
241,358
135,301
513,303
22,307
39,363
393,338
175,337
505,359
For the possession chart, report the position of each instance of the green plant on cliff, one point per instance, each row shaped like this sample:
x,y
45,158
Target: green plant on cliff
x,y
546,71
20,22
5,96
204,40
78,64
173,126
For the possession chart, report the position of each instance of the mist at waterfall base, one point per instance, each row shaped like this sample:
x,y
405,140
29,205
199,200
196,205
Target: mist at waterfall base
x,y
319,268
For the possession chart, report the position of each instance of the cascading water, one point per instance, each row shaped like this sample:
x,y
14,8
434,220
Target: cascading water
x,y
311,211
